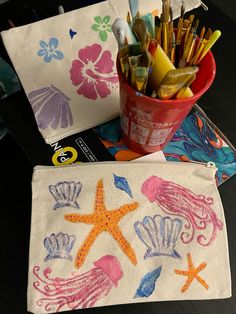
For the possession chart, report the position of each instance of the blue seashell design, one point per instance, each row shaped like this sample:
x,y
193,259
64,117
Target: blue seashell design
x,y
59,246
147,284
51,108
72,33
159,234
66,193
122,184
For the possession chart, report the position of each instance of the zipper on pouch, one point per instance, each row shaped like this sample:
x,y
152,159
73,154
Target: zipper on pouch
x,y
209,164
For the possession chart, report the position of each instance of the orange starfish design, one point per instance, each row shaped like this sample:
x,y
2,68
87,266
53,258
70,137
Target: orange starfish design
x,y
192,273
103,220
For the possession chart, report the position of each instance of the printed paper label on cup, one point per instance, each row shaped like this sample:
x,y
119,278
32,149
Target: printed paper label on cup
x,y
159,136
138,133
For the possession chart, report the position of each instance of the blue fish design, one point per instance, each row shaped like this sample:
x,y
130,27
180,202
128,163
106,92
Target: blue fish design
x,y
122,184
72,33
147,284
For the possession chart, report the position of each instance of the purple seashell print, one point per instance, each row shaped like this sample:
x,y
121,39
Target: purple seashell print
x,y
177,200
80,290
65,193
159,234
59,246
51,108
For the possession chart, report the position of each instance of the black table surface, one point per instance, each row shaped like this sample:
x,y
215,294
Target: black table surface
x,y
16,171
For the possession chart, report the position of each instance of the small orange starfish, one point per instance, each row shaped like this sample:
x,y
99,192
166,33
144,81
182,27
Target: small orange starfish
x,y
192,273
103,220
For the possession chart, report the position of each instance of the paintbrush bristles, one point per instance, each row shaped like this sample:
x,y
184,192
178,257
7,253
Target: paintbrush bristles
x,y
208,34
182,10
157,21
196,23
171,14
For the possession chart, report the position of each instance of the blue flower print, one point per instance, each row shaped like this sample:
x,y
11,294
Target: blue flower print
x,y
49,51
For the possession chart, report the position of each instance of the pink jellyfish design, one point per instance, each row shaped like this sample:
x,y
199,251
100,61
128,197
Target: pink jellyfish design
x,y
176,200
93,72
78,291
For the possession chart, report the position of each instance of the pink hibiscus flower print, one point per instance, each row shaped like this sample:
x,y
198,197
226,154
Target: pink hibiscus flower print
x,y
93,72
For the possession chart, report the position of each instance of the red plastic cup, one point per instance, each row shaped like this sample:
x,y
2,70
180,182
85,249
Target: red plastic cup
x,y
148,124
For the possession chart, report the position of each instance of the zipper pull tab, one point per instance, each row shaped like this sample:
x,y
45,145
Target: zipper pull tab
x,y
211,164
204,6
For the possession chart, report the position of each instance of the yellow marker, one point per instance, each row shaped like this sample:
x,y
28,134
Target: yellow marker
x,y
162,65
215,35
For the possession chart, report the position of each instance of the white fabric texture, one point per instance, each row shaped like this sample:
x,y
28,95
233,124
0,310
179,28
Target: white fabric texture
x,y
66,65
117,233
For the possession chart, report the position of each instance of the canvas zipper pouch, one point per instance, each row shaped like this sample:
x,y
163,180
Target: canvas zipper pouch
x,y
144,6
116,233
67,67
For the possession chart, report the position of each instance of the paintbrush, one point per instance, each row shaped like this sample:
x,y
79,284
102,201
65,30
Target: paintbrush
x,y
188,49
202,46
165,25
198,44
128,19
179,35
213,38
171,31
191,18
158,29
